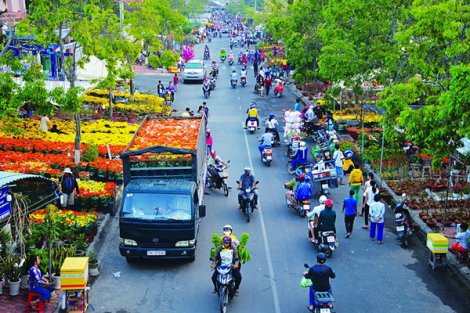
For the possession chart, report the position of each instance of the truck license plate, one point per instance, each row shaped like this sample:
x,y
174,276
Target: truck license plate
x,y
400,228
156,252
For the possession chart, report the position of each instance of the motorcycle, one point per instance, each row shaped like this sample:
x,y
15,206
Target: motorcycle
x,y
267,155
212,83
243,81
278,91
206,90
403,222
217,177
252,125
248,204
301,207
327,242
207,56
223,58
323,300
302,167
230,62
233,83
214,72
225,286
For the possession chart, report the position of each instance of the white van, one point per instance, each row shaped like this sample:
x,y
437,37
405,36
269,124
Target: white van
x,y
194,70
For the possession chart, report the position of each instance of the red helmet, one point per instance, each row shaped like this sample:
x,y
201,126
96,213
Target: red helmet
x,y
297,137
301,177
213,153
329,203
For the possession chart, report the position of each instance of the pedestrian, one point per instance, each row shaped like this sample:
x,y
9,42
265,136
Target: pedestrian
x,y
338,156
355,182
255,68
160,89
371,191
69,187
175,82
205,112
297,105
54,129
45,123
350,212
171,89
209,141
370,177
267,84
377,211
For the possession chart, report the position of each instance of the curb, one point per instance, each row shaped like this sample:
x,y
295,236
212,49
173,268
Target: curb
x,y
462,271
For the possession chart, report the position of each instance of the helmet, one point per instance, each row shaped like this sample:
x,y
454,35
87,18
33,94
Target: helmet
x,y
227,239
349,153
302,144
301,177
213,153
208,130
227,227
322,199
271,115
297,137
247,169
253,102
326,193
329,203
321,258
252,105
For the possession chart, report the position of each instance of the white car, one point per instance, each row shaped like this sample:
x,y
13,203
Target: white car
x,y
194,70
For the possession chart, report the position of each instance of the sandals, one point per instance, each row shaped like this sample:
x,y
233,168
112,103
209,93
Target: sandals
x,y
236,293
310,309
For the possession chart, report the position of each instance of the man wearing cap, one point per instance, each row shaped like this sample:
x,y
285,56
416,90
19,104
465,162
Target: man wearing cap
x,y
69,187
327,218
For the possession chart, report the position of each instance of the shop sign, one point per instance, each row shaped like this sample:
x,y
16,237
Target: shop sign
x,y
5,203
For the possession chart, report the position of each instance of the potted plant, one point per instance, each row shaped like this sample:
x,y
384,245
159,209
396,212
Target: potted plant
x,y
456,191
2,279
11,265
466,192
93,264
58,256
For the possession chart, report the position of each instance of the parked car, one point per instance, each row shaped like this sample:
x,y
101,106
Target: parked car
x,y
194,70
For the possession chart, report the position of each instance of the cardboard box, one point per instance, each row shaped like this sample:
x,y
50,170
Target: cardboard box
x,y
437,243
74,273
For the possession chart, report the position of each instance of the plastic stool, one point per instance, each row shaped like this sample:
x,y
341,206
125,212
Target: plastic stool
x,y
31,297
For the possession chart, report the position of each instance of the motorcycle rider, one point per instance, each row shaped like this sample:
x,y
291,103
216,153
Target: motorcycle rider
x,y
233,76
216,159
313,216
304,192
247,180
230,56
301,156
327,218
252,113
207,52
206,87
228,231
227,252
223,53
243,73
215,69
320,275
266,140
293,185
271,125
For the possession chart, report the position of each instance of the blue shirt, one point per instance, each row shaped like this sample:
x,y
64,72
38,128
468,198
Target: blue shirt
x,y
247,181
350,205
302,155
304,191
297,107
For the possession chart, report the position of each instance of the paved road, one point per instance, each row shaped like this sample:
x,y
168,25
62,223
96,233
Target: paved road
x,y
370,278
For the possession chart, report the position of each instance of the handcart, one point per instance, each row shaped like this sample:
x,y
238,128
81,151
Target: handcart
x,y
437,245
323,179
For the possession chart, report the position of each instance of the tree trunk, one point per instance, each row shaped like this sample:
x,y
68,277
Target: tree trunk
x,y
110,104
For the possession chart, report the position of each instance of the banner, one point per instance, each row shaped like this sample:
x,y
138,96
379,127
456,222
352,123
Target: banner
x,y
5,206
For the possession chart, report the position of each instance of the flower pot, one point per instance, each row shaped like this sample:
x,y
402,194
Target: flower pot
x,y
93,268
455,195
24,281
14,287
56,282
80,253
466,196
2,282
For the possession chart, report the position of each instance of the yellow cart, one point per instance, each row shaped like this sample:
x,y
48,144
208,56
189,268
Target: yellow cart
x,y
438,246
74,280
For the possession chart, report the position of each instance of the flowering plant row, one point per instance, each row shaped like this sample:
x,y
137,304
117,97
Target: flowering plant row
x,y
69,217
354,114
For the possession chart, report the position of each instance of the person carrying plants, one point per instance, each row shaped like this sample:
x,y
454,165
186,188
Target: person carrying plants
x,y
227,252
39,284
69,187
356,179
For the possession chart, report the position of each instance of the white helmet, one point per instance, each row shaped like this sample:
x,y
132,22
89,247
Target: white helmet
x,y
322,199
302,144
227,227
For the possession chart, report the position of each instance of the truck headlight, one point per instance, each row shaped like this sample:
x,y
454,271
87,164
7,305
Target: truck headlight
x,y
127,242
186,243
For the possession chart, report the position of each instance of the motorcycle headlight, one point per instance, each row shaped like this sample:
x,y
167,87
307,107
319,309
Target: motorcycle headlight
x,y
127,242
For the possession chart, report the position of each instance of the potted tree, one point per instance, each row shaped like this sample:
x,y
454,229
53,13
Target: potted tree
x,y
466,192
93,264
11,265
58,256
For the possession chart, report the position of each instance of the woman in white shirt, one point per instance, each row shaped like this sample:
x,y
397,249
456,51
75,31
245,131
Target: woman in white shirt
x,y
377,211
370,177
45,123
369,199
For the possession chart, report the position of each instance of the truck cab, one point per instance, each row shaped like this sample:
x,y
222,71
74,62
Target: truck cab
x,y
163,226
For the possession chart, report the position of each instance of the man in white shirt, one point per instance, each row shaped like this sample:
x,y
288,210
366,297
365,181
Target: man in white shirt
x,y
338,156
313,217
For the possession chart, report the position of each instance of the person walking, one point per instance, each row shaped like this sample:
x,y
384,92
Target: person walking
x,y
355,182
267,84
370,177
45,123
371,191
69,188
350,212
209,141
175,82
377,211
160,89
338,156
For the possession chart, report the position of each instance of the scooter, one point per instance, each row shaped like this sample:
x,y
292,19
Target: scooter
x,y
230,62
323,300
301,207
278,91
267,155
252,125
243,81
223,59
217,177
233,83
225,286
207,56
206,90
248,204
212,83
327,242
403,222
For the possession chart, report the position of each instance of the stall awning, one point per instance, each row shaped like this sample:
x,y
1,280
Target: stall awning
x,y
8,178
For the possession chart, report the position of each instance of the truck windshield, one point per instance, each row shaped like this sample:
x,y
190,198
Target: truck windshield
x,y
146,206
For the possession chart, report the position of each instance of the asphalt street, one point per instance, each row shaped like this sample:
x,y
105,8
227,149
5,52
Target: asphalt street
x,y
370,277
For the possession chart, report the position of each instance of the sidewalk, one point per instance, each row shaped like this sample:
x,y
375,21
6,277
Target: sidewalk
x,y
17,304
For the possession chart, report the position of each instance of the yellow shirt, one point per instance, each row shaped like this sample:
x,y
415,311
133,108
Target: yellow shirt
x,y
253,112
347,163
355,177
